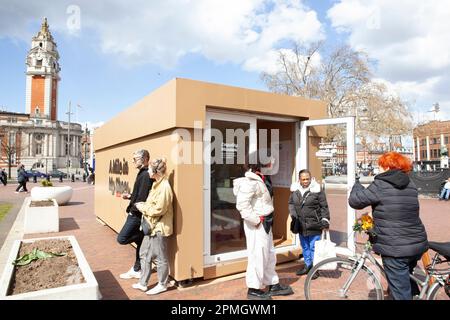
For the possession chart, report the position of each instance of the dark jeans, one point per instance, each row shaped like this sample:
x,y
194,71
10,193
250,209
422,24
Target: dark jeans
x,y
22,184
130,233
397,274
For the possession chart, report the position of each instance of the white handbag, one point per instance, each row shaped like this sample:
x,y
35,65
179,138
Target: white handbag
x,y
325,249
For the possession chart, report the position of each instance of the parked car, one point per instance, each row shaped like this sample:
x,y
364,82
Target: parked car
x,y
35,173
57,174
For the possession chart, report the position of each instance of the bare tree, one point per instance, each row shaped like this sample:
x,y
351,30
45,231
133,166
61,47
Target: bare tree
x,y
342,78
11,148
384,115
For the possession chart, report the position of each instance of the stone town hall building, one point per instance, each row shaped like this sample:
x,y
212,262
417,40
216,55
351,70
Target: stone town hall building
x,y
37,138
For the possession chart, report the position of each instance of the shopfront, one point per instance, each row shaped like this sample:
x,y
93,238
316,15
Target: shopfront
x,y
206,131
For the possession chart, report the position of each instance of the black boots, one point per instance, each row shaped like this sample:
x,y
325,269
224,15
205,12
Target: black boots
x,y
279,290
256,294
274,290
303,271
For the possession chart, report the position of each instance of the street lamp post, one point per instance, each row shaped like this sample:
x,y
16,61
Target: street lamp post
x,y
85,150
68,142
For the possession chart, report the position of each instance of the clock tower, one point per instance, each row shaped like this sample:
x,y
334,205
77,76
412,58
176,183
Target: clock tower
x,y
42,75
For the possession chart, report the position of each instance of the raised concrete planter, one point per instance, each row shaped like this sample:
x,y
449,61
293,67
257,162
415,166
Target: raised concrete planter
x,y
83,291
41,219
62,195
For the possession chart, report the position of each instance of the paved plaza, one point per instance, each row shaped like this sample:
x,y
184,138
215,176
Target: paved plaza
x,y
108,259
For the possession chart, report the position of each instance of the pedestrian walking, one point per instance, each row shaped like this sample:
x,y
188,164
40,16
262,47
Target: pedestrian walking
x,y
21,179
131,229
254,202
399,235
157,223
445,193
3,177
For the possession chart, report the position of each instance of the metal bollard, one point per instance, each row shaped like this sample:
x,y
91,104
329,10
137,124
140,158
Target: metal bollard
x,y
73,178
60,178
48,177
84,177
34,179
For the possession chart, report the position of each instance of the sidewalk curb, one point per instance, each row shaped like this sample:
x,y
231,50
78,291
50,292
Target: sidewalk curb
x,y
16,233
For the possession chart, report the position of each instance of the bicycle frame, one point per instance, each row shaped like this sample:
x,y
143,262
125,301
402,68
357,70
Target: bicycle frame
x,y
425,286
440,276
360,263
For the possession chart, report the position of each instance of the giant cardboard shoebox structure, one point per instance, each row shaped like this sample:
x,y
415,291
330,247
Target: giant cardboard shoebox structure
x,y
178,121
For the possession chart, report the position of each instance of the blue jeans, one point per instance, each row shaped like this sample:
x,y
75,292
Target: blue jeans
x,y
130,233
397,274
445,194
308,244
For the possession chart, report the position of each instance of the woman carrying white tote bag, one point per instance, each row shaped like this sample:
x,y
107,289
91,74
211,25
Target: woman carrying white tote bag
x,y
325,249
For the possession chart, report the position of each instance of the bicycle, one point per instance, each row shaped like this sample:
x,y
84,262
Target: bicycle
x,y
352,278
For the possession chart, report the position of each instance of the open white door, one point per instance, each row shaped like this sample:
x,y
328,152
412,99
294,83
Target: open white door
x,y
302,163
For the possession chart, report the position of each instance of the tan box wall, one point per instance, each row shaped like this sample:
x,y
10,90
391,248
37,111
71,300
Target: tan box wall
x,y
194,96
186,181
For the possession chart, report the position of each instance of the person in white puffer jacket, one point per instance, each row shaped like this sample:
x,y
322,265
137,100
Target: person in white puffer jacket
x,y
254,202
253,199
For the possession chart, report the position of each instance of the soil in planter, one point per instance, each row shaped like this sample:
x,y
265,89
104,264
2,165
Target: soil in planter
x,y
41,203
46,273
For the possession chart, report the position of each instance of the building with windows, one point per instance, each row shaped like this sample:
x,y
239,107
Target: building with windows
x,y
36,138
87,149
429,138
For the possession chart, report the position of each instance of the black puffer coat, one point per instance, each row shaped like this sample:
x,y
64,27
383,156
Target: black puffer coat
x,y
395,210
310,212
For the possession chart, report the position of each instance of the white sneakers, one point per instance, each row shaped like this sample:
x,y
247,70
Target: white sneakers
x,y
130,274
139,286
157,289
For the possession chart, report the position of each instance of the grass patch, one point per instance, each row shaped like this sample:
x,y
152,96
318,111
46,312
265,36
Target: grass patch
x,y
4,209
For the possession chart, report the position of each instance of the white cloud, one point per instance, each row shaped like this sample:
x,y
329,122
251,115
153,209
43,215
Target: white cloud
x,y
410,41
94,125
161,32
270,61
420,98
267,62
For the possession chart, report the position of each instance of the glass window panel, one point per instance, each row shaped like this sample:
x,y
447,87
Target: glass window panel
x,y
227,233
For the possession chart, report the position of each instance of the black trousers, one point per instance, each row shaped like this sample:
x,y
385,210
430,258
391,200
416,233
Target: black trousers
x,y
130,233
22,184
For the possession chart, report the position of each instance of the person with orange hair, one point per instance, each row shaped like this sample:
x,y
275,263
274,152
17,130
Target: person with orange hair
x,y
399,234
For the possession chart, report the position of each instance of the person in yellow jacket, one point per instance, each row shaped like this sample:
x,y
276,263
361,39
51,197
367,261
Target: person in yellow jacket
x,y
157,211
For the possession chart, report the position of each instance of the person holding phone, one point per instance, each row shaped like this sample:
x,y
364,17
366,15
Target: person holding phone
x,y
157,210
131,231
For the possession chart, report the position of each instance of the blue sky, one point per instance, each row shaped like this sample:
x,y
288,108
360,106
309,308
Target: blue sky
x,y
113,53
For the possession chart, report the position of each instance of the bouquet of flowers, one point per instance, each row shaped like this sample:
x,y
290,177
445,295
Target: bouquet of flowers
x,y
365,223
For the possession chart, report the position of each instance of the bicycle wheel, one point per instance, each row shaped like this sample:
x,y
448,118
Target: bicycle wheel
x,y
334,273
439,292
